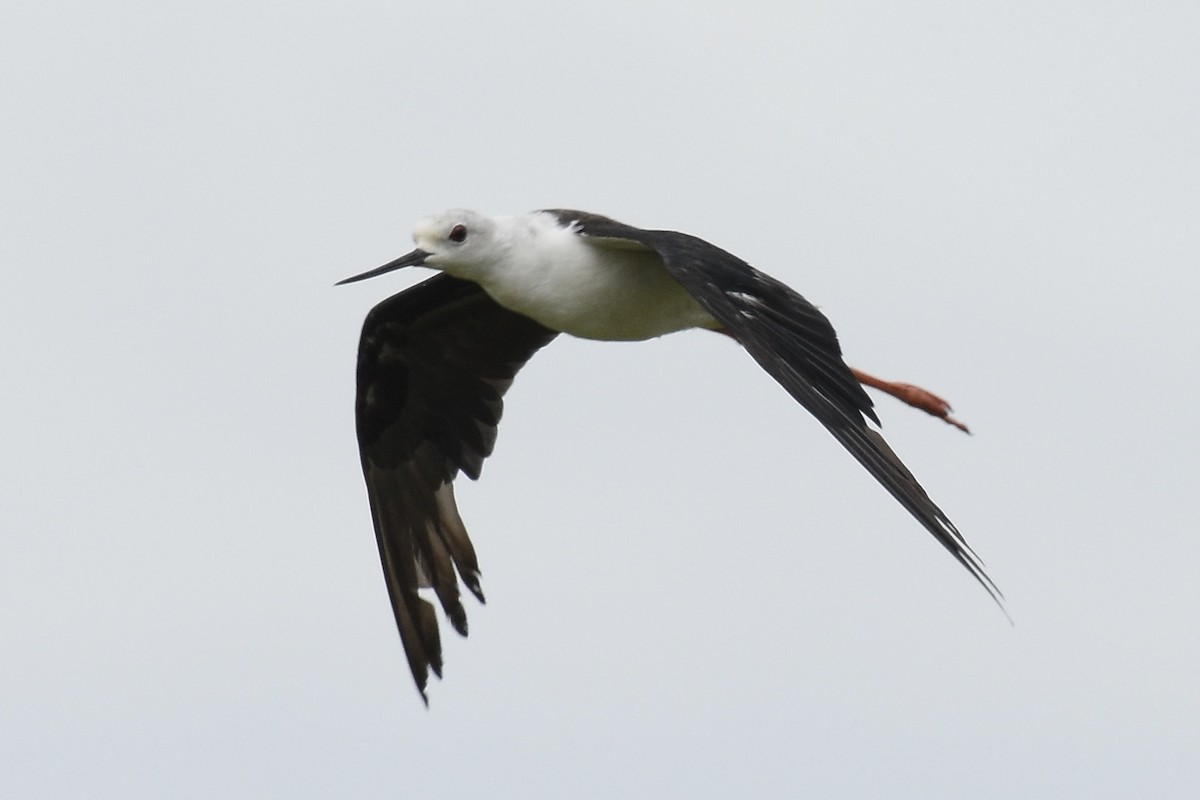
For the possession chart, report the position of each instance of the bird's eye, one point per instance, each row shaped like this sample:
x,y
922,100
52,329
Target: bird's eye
x,y
458,233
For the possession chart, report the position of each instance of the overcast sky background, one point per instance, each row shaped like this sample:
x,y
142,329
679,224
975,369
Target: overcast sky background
x,y
693,591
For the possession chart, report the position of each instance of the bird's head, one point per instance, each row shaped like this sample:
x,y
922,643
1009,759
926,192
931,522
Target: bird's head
x,y
458,242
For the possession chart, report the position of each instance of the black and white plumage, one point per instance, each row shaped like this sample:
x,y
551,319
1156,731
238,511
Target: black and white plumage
x,y
435,361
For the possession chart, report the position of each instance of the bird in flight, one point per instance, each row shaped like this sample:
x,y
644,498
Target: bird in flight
x,y
435,360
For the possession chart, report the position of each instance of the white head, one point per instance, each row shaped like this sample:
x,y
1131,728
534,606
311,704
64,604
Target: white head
x,y
462,242
459,241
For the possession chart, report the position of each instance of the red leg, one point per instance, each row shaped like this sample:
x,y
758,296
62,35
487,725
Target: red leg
x,y
915,396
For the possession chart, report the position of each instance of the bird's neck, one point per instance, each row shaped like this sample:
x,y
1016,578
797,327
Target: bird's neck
x,y
538,271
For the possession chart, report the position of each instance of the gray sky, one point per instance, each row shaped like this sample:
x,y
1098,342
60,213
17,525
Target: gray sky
x,y
693,591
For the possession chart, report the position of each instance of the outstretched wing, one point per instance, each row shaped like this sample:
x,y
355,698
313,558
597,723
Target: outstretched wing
x,y
434,362
796,344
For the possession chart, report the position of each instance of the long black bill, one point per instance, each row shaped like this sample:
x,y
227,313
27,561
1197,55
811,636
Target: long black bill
x,y
414,259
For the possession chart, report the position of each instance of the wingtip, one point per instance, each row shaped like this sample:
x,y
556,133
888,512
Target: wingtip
x,y
999,599
976,567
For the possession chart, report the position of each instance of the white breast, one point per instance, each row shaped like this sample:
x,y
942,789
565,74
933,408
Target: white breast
x,y
567,283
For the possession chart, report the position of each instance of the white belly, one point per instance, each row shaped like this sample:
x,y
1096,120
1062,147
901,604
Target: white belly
x,y
598,293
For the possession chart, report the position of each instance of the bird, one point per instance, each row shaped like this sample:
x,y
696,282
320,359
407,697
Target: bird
x,y
435,360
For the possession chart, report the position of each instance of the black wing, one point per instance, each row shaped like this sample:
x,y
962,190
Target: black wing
x,y
796,344
434,362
